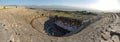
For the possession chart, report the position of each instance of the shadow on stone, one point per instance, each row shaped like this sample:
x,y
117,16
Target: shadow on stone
x,y
53,30
56,30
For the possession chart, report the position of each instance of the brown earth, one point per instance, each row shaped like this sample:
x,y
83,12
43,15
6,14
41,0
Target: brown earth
x,y
26,25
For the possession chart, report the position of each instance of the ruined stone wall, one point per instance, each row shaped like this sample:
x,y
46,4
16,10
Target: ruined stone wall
x,y
1,7
11,7
20,7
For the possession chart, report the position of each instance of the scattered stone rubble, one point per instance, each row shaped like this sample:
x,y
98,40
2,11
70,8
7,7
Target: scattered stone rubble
x,y
26,25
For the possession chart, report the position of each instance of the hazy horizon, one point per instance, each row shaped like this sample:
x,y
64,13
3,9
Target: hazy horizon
x,y
104,5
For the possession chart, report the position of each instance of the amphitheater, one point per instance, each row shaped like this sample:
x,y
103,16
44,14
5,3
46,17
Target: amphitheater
x,y
20,24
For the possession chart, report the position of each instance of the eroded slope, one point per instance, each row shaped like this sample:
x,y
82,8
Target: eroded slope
x,y
26,25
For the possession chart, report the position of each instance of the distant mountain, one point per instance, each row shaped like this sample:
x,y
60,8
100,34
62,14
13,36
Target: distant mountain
x,y
57,7
64,8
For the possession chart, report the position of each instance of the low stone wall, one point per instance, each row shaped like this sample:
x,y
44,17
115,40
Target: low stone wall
x,y
20,7
1,7
11,7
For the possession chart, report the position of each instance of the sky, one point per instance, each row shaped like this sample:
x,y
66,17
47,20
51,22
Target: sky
x,y
105,5
44,2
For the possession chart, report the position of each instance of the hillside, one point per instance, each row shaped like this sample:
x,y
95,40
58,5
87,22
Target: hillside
x,y
30,25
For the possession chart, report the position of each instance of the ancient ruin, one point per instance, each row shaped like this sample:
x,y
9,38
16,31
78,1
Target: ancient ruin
x,y
11,7
29,25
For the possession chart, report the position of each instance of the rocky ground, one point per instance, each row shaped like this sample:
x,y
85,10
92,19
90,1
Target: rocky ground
x,y
26,25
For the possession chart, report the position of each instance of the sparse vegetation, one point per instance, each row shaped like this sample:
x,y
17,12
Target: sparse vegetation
x,y
38,25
